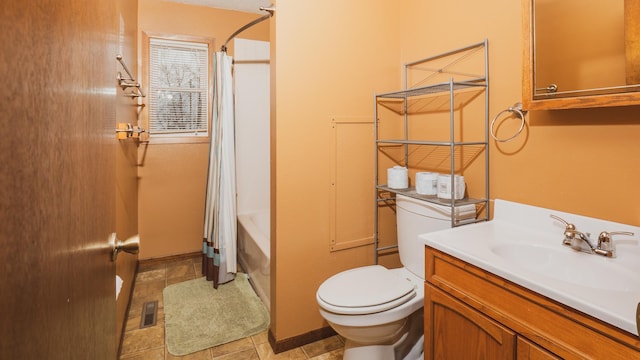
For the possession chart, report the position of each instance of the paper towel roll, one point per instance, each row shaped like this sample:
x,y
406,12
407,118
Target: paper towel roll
x,y
398,177
444,187
427,183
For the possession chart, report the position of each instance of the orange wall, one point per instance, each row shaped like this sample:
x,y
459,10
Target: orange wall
x,y
330,57
579,161
172,177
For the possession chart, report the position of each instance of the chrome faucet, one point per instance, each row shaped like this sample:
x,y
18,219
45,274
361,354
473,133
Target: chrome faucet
x,y
580,241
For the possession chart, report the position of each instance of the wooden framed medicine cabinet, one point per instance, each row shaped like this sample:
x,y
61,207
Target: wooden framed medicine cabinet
x,y
563,76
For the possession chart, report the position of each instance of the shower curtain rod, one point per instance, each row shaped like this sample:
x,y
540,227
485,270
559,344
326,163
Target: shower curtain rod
x,y
270,11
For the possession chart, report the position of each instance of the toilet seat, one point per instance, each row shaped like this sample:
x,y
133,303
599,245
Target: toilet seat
x,y
364,290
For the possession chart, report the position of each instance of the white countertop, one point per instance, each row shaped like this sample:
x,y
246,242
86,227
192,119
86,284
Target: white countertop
x,y
523,244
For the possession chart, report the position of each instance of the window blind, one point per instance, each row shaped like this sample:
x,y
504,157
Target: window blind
x,y
178,87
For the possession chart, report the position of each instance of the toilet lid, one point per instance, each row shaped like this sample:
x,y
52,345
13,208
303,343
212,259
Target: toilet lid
x,y
363,288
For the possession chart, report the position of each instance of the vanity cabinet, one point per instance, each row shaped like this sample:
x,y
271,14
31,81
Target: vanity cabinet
x,y
473,314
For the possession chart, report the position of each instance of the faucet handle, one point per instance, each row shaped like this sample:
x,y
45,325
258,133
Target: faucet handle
x,y
604,239
568,225
569,229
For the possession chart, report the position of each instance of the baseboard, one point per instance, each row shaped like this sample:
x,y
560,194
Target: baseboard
x,y
164,259
300,340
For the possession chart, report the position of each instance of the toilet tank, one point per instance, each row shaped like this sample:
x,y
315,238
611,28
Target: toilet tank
x,y
415,217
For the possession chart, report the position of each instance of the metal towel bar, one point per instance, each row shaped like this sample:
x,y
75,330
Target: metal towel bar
x,y
126,83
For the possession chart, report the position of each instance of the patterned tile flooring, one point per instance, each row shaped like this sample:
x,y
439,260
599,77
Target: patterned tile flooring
x,y
149,344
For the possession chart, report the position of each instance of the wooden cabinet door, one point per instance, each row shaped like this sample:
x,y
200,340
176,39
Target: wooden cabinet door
x,y
526,350
455,331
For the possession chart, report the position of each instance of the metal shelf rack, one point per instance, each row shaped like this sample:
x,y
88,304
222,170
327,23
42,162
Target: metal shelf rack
x,y
430,85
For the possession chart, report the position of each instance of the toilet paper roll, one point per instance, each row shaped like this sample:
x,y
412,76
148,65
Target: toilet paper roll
x,y
444,187
398,177
427,183
118,285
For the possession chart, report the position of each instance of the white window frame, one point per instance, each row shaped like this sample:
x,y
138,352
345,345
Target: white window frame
x,y
179,41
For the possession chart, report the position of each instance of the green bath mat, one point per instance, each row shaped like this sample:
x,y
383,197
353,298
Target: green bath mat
x,y
198,317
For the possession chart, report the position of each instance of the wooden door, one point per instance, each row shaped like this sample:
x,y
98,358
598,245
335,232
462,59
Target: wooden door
x,y
57,180
455,331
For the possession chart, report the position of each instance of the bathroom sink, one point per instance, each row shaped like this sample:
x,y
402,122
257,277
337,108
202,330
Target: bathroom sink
x,y
564,264
523,244
528,256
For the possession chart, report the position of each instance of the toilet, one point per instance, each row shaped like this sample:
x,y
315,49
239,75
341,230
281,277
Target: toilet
x,y
379,311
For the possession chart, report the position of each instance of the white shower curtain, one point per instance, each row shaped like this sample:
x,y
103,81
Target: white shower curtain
x,y
220,225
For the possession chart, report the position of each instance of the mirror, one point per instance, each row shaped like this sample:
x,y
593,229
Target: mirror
x,y
581,53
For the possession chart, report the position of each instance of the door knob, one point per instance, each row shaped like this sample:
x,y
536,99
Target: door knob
x,y
131,245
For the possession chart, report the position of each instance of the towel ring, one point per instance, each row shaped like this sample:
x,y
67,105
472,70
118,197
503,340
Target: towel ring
x,y
515,109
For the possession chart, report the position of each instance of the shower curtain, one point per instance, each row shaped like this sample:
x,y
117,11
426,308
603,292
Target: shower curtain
x,y
220,226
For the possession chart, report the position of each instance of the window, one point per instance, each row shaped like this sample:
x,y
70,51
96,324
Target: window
x,y
178,95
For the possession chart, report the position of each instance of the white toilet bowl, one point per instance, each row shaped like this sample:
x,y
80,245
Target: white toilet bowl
x,y
379,312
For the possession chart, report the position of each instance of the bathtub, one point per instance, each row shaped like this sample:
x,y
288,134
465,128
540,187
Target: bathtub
x,y
253,252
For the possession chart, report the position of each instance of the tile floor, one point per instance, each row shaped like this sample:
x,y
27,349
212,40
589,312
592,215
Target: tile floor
x,y
148,343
